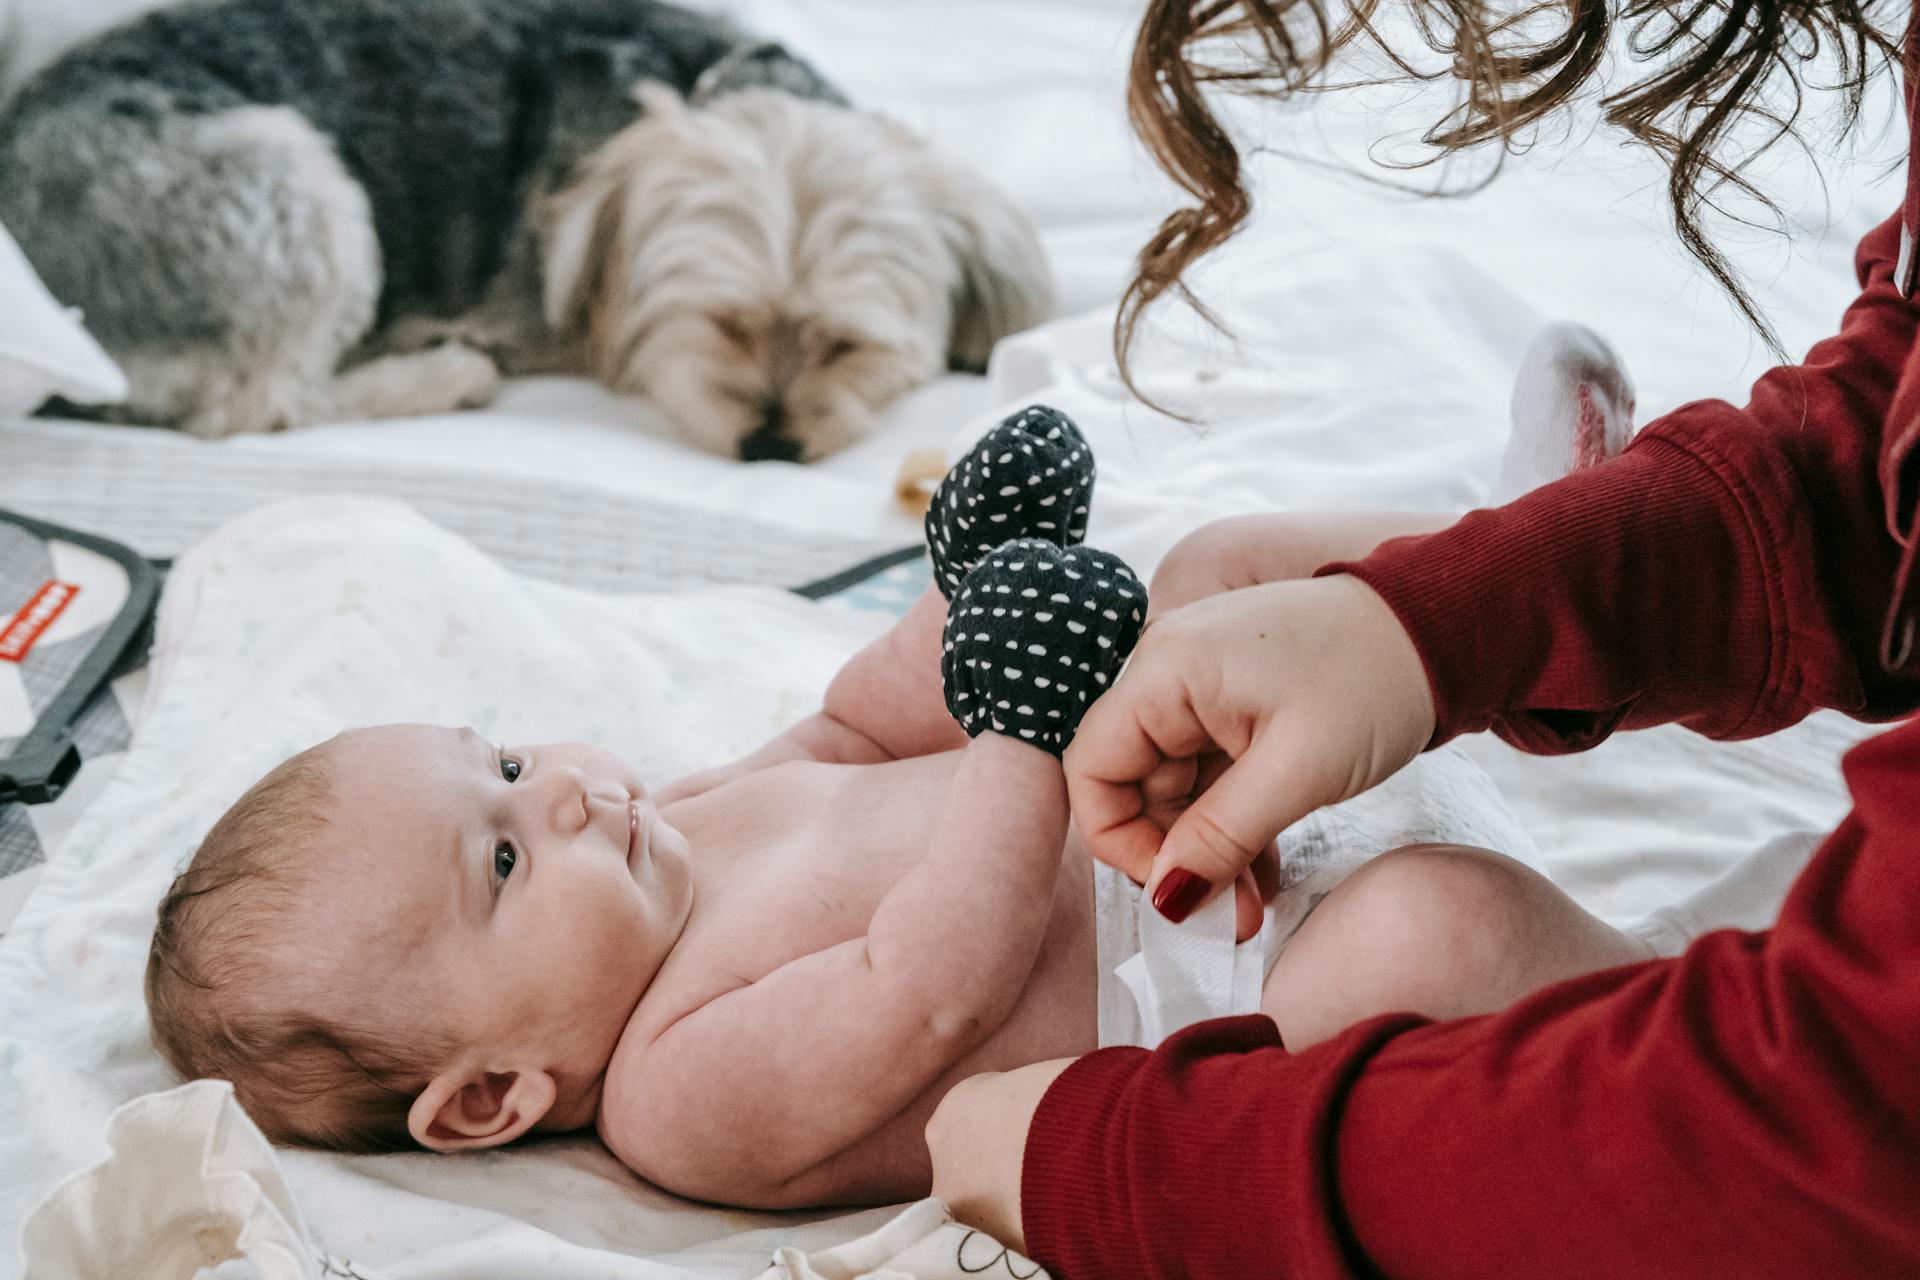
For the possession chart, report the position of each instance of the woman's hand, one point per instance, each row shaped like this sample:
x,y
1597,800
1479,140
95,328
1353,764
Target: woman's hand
x,y
1237,716
978,1137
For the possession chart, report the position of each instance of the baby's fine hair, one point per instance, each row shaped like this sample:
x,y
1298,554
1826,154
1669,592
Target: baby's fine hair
x,y
222,981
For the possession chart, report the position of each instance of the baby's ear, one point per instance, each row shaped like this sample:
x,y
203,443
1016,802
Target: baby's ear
x,y
463,1109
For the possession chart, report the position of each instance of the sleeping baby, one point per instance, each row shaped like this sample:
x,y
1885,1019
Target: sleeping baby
x,y
754,984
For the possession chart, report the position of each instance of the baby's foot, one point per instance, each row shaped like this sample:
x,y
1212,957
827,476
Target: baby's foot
x,y
1029,477
1572,408
1034,634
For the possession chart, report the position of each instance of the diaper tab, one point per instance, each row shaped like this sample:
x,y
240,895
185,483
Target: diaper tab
x,y
1193,971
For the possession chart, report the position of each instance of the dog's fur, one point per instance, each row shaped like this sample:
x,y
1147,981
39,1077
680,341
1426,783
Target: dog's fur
x,y
278,213
770,271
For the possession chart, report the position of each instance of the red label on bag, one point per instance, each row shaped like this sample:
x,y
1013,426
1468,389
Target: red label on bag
x,y
17,637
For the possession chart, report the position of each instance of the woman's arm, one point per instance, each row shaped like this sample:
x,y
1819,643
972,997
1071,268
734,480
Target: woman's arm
x,y
1750,1108
1730,571
1733,570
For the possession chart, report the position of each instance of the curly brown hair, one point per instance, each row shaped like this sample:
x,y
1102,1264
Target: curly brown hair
x,y
1716,59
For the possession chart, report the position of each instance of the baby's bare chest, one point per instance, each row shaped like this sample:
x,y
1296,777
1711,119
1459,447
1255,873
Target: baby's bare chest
x,y
797,859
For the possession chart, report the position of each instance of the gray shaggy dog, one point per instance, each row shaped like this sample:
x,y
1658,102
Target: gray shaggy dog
x,y
276,212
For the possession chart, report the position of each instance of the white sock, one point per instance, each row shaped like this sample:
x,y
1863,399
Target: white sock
x,y
1572,408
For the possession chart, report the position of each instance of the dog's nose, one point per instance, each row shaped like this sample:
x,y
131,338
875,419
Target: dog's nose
x,y
765,443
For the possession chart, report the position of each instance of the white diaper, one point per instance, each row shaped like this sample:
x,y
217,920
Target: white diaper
x,y
1157,977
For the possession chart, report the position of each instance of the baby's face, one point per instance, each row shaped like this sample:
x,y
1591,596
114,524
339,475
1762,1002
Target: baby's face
x,y
532,891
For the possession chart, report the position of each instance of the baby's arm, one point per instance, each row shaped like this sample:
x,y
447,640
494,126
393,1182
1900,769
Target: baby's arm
x,y
884,704
749,1099
752,1098
1031,476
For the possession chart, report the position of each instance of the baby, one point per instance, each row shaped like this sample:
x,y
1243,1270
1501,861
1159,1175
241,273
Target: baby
x,y
754,984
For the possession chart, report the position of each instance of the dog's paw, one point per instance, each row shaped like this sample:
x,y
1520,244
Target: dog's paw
x,y
450,377
468,379
439,380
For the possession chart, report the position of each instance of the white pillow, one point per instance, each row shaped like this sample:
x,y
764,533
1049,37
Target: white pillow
x,y
43,349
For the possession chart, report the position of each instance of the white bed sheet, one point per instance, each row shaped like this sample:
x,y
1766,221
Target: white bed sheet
x,y
1376,334
390,619
1376,340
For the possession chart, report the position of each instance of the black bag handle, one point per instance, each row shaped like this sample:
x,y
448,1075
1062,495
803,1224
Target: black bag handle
x,y
43,762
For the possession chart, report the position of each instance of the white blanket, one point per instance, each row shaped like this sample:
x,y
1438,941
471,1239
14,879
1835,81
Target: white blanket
x,y
316,615
1377,341
191,1184
312,617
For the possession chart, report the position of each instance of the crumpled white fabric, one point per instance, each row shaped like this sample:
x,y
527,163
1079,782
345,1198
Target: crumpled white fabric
x,y
1746,895
44,348
922,1243
189,1183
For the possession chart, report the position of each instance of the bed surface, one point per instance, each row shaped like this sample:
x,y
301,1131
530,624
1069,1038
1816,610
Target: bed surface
x,y
1374,337
1377,334
1374,343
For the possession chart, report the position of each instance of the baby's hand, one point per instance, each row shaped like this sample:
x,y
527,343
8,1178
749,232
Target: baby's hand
x,y
1036,633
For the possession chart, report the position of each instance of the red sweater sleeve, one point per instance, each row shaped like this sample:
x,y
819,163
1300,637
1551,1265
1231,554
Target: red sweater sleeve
x,y
1731,570
1750,1108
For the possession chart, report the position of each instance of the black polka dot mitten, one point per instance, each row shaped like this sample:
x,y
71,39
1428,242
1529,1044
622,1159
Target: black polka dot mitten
x,y
1034,634
1029,477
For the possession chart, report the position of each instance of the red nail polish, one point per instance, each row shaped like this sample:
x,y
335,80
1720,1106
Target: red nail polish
x,y
1179,894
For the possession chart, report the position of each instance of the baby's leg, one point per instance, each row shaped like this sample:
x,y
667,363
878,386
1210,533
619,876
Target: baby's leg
x,y
1245,551
1030,477
1572,407
890,690
1441,930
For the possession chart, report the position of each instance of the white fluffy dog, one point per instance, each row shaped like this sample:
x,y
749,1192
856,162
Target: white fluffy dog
x,y
769,271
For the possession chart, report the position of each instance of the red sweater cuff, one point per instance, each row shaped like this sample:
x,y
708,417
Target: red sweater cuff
x,y
1206,1159
1068,1176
